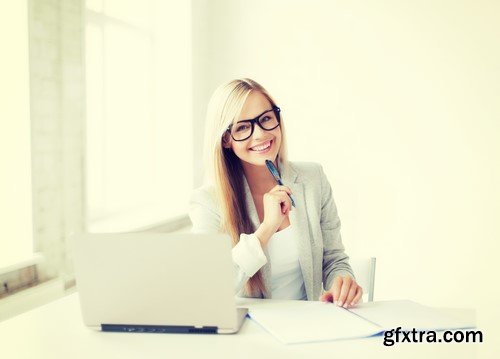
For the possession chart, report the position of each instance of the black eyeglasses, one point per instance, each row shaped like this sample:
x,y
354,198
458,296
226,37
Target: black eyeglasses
x,y
243,130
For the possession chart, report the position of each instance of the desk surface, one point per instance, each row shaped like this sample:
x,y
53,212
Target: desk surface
x,y
56,331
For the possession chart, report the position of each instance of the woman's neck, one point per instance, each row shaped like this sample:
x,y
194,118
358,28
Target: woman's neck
x,y
259,178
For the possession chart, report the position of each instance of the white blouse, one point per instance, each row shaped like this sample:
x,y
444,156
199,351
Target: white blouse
x,y
287,281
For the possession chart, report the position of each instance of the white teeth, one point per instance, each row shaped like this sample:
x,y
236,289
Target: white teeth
x,y
260,148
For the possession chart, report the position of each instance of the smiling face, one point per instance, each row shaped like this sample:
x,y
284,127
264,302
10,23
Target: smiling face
x,y
262,145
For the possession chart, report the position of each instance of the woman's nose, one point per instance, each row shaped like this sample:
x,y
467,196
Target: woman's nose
x,y
257,132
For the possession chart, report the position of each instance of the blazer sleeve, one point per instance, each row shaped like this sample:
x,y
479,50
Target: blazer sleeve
x,y
248,256
335,260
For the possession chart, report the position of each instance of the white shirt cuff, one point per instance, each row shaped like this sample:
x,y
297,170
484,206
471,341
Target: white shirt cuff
x,y
248,254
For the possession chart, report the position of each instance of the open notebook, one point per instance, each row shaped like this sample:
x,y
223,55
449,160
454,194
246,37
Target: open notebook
x,y
292,321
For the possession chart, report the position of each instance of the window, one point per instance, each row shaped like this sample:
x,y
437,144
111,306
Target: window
x,y
138,83
16,240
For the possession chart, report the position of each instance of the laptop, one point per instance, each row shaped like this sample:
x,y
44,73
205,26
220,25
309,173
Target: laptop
x,y
157,283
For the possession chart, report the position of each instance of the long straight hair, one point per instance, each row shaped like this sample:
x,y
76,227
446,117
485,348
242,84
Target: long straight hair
x,y
223,169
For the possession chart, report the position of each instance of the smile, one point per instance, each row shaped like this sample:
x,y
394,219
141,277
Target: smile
x,y
262,148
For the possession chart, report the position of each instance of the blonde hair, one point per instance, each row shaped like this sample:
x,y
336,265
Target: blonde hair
x,y
223,169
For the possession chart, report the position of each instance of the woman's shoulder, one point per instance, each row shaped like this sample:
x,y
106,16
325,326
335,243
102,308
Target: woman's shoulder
x,y
204,193
304,166
203,210
306,170
311,173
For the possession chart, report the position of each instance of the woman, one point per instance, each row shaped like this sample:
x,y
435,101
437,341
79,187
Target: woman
x,y
240,197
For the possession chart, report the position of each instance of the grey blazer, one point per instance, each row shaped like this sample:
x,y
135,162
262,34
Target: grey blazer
x,y
315,218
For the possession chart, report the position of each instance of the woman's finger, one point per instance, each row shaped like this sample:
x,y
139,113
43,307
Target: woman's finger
x,y
357,297
351,294
346,286
278,188
336,287
326,297
286,203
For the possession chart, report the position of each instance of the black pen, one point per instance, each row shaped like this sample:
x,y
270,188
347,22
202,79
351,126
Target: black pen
x,y
276,176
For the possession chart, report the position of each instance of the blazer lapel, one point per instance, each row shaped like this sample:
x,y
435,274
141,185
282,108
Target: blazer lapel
x,y
298,218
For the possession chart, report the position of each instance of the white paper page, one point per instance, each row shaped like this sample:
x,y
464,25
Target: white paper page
x,y
408,315
298,321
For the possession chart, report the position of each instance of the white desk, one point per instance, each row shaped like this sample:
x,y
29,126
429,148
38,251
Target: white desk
x,y
56,331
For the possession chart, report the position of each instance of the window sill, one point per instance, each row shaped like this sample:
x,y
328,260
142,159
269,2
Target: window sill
x,y
144,219
21,263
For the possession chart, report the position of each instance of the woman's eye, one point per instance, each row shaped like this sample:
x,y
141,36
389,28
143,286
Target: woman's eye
x,y
242,128
265,119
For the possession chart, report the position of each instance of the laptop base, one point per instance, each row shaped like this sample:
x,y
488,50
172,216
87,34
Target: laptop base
x,y
177,329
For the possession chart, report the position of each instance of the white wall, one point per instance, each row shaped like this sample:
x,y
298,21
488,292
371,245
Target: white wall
x,y
397,100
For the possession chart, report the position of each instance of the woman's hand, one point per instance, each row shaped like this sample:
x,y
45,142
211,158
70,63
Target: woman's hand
x,y
345,292
276,205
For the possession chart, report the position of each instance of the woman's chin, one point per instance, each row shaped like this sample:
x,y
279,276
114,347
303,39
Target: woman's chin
x,y
261,161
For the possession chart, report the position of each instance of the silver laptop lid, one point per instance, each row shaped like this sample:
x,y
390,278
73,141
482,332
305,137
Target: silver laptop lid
x,y
155,279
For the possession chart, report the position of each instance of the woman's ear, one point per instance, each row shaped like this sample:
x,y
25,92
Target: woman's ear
x,y
226,141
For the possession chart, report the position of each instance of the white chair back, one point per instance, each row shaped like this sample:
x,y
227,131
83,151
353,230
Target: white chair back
x,y
364,270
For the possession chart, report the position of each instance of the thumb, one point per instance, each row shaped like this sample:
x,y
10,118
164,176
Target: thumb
x,y
326,297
